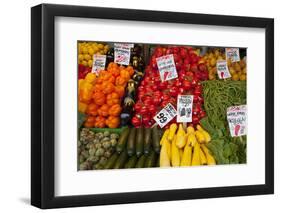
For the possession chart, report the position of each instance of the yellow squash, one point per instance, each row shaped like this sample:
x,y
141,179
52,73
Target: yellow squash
x,y
203,158
209,157
172,131
199,136
186,156
164,137
180,137
175,154
191,139
164,157
196,155
205,133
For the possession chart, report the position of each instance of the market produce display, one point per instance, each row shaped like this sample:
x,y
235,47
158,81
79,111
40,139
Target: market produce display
x,y
237,70
150,106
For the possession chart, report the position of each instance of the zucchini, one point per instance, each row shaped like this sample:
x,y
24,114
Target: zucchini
x,y
141,161
131,143
122,140
139,142
147,140
150,160
121,160
111,161
131,162
155,140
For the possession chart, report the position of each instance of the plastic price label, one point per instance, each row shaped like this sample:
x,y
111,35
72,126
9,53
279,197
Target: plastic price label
x,y
122,53
165,115
184,108
98,63
222,69
237,120
232,54
167,68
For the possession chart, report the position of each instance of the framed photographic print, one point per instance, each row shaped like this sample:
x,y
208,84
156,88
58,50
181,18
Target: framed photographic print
x,y
139,106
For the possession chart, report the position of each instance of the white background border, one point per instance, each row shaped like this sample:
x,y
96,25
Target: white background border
x,y
70,182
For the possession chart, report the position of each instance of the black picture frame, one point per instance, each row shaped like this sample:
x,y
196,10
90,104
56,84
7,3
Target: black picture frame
x,y
43,117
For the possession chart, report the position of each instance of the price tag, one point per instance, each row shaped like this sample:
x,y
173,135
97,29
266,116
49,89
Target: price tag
x,y
222,69
237,120
122,53
167,68
98,63
165,115
184,108
232,54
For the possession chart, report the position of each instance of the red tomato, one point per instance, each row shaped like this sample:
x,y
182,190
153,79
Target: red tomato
x,y
144,110
195,119
186,85
202,114
174,91
136,121
145,120
137,106
152,110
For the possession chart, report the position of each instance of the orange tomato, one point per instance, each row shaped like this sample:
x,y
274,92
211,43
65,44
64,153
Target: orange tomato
x,y
90,122
120,90
125,74
115,110
130,69
107,87
113,122
120,81
103,110
99,98
92,109
100,122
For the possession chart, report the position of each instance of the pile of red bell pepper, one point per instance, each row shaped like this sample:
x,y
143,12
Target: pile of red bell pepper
x,y
153,94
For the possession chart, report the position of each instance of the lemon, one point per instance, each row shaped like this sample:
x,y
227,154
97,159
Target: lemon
x,y
87,57
106,47
96,49
232,71
101,52
85,50
243,77
90,63
91,51
80,57
235,77
100,46
85,63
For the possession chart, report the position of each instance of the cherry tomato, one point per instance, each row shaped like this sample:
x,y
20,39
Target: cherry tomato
x,y
144,110
195,119
145,120
202,114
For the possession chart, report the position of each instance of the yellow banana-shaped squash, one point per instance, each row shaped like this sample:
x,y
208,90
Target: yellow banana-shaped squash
x,y
172,132
191,139
205,133
199,136
175,154
196,161
180,137
164,157
203,158
209,157
186,156
164,137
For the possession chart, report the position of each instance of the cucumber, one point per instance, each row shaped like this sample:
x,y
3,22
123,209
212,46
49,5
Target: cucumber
x,y
122,140
155,140
150,160
121,160
139,142
131,143
111,161
141,161
131,162
147,140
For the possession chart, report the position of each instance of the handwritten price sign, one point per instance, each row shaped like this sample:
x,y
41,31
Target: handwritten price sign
x,y
98,63
165,115
184,108
122,53
222,69
232,54
237,120
167,68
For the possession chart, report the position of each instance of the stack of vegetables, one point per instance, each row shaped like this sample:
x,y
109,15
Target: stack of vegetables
x,y
218,96
153,95
237,70
185,148
100,96
86,50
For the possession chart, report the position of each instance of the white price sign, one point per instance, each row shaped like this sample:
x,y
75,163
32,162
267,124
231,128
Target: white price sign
x,y
122,53
165,115
237,120
232,54
184,108
167,68
222,69
98,63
